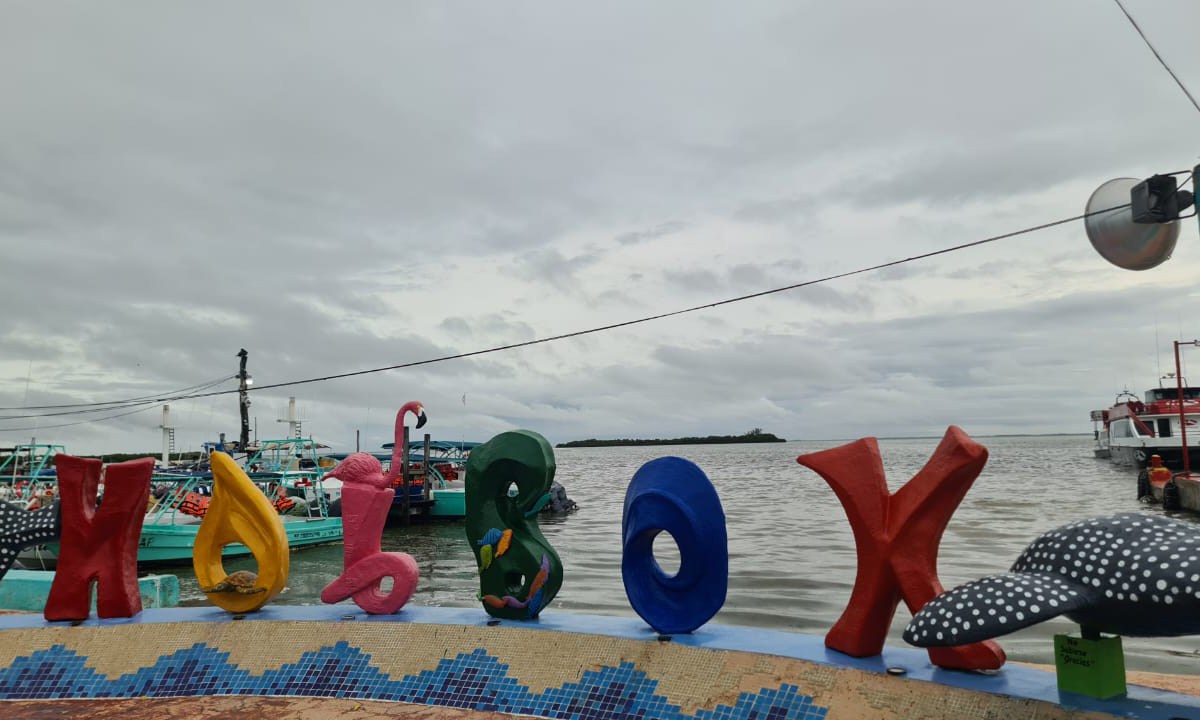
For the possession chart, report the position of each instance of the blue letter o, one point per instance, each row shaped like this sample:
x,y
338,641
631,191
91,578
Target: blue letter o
x,y
672,495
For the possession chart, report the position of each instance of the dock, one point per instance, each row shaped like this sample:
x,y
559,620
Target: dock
x,y
27,590
1182,492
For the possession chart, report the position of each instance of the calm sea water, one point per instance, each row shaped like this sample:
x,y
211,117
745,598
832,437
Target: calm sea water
x,y
792,554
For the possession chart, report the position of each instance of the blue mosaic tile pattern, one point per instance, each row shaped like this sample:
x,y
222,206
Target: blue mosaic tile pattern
x,y
475,681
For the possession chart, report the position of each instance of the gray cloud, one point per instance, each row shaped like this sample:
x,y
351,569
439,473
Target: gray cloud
x,y
658,231
347,188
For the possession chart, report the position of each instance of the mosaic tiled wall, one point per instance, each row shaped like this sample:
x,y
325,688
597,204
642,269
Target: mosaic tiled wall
x,y
517,671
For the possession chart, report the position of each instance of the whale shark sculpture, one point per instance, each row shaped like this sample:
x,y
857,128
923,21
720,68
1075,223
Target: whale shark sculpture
x,y
1126,574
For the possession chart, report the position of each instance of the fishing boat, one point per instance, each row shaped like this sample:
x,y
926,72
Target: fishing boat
x,y
177,509
444,474
27,475
1132,429
169,530
296,465
445,469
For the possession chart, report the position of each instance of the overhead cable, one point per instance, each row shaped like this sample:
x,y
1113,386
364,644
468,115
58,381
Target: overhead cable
x,y
602,328
119,404
80,422
673,313
1157,55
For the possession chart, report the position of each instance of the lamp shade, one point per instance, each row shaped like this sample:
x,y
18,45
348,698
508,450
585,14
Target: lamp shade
x,y
1118,238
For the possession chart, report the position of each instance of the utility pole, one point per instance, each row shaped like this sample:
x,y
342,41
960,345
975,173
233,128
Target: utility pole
x,y
244,399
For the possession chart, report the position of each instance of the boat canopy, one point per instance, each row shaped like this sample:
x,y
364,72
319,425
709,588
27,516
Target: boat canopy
x,y
440,445
29,460
286,454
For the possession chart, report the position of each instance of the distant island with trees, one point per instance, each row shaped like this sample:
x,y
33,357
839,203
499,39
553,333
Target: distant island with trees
x,y
753,436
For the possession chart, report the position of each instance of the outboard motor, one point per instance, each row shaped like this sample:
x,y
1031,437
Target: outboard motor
x,y
559,502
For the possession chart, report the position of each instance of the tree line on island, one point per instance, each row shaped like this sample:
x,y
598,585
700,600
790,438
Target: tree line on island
x,y
753,436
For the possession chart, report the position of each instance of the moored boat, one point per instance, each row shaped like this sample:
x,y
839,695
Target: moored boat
x,y
446,474
295,467
1133,429
27,475
177,509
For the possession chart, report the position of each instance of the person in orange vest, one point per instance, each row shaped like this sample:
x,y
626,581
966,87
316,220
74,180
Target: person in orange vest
x,y
1158,473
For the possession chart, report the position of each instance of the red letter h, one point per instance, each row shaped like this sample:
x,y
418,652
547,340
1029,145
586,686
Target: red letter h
x,y
99,544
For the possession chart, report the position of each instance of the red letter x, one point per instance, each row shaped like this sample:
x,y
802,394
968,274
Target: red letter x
x,y
897,539
99,544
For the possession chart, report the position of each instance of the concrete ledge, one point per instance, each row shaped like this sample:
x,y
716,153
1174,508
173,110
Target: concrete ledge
x,y
525,668
27,590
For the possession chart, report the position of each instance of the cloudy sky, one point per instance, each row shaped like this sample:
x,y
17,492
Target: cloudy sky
x,y
346,186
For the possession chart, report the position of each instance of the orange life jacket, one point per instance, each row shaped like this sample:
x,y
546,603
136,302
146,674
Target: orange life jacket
x,y
283,503
194,504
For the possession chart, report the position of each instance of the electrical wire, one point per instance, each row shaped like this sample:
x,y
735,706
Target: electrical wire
x,y
602,328
673,313
695,308
150,398
81,422
119,404
1157,55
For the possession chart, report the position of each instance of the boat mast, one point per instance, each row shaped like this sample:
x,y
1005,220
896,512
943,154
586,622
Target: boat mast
x,y
292,419
168,434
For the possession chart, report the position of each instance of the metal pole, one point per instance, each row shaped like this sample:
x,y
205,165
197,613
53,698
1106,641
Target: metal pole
x,y
1182,420
425,470
1195,186
404,475
166,436
244,401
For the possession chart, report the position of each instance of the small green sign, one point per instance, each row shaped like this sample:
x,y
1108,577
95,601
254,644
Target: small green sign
x,y
1095,668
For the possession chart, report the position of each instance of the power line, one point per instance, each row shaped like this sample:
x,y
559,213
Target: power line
x,y
116,404
660,316
148,398
1160,57
612,326
81,422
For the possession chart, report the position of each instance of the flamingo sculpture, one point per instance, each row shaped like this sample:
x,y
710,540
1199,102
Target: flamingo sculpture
x,y
366,498
399,446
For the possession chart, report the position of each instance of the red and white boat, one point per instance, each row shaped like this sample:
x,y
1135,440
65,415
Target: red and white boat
x,y
1134,429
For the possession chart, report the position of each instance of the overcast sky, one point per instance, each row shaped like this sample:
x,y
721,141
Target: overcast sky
x,y
347,186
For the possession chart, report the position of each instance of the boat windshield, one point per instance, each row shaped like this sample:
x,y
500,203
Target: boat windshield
x,y
1157,394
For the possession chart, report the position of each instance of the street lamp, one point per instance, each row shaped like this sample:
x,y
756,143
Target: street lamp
x,y
1134,224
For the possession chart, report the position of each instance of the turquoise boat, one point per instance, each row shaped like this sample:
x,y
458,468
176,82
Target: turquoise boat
x,y
27,475
445,474
295,467
169,533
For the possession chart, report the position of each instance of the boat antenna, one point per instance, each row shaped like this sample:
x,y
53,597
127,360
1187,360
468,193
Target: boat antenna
x,y
1158,352
1183,362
